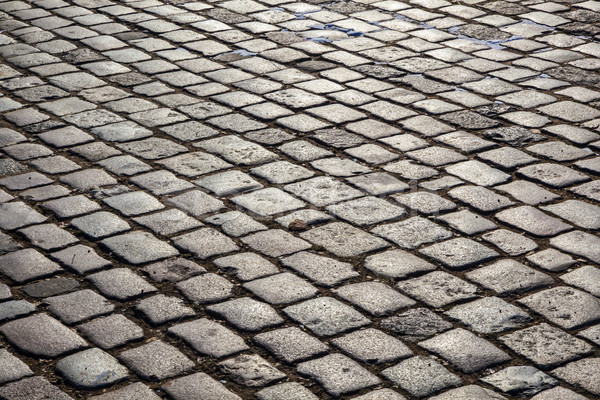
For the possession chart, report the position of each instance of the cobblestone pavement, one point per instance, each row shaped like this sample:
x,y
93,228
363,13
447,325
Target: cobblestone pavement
x,y
376,200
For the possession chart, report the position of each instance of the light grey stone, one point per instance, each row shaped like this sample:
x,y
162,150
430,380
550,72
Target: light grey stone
x,y
91,369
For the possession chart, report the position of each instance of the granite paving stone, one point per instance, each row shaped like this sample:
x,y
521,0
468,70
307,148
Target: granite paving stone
x,y
579,243
528,192
188,387
72,206
558,392
378,183
246,266
26,265
209,337
15,308
291,344
366,210
427,289
194,164
139,247
582,214
393,171
520,380
502,275
48,236
344,240
326,316
235,223
585,278
247,314
459,253
196,203
281,288
156,361
421,376
467,351
100,224
285,391
228,183
34,388
120,283
91,369
397,264
16,215
251,370
13,368
376,298
275,243
111,331
134,391
489,315
161,309
552,175
578,307
412,232
338,374
81,259
582,373
546,346
372,346
206,288
268,201
42,336
322,270
551,260
78,306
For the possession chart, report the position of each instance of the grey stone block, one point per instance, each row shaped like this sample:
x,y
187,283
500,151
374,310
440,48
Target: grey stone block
x,y
372,346
416,324
209,337
291,344
26,265
338,374
326,316
121,283
12,368
421,376
156,361
42,336
466,351
206,288
251,370
247,314
112,331
91,369
34,388
189,387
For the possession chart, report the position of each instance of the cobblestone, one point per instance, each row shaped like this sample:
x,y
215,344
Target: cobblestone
x,y
421,376
301,153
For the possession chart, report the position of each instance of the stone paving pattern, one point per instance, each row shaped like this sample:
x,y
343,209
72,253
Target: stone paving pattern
x,y
273,199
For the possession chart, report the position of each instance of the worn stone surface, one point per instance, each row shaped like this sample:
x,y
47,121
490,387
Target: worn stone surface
x,y
326,316
251,370
42,336
156,361
421,376
546,345
338,374
287,179
465,350
187,387
91,369
520,381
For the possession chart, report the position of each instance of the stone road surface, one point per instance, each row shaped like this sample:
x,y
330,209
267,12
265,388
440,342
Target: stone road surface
x,y
273,199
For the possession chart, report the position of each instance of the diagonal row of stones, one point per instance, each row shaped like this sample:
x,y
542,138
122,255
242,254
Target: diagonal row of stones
x,y
229,181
